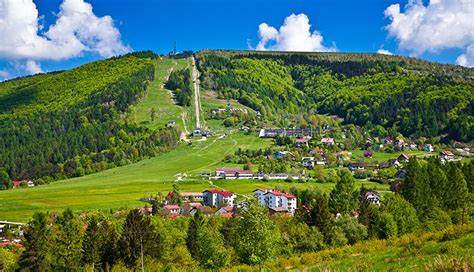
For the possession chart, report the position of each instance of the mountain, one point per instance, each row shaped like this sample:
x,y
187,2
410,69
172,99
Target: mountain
x,y
393,94
71,123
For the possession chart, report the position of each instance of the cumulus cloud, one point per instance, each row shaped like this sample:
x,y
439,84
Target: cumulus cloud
x,y
384,52
441,24
33,67
76,30
294,35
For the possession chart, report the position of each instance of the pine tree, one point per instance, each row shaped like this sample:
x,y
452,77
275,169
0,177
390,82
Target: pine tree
x,y
343,198
137,237
67,243
37,255
92,243
5,182
416,188
438,180
457,197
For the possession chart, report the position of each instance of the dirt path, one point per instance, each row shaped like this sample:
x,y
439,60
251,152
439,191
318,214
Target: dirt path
x,y
197,104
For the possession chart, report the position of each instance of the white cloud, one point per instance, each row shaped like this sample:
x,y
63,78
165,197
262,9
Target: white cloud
x,y
440,25
76,30
4,74
467,59
33,67
294,35
384,52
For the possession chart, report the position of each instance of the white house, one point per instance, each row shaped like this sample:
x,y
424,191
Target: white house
x,y
356,166
327,141
214,198
172,209
234,173
276,200
373,197
308,162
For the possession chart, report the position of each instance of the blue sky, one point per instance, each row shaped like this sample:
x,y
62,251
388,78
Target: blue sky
x,y
350,26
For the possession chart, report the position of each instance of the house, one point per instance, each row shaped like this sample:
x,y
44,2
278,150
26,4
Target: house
x,y
30,183
227,211
17,183
146,210
400,174
403,158
327,141
395,162
373,197
446,156
316,150
280,154
301,142
278,210
275,199
428,148
234,173
217,111
356,166
388,141
171,123
412,145
308,162
191,196
400,143
197,132
368,154
188,207
205,210
215,198
172,209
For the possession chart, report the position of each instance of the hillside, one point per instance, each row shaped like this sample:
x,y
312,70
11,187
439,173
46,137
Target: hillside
x,y
401,95
67,124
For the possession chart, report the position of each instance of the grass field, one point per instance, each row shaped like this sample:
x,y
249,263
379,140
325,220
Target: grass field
x,y
358,155
160,99
124,186
428,256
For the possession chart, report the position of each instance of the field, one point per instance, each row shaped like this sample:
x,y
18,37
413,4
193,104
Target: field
x,y
124,186
160,99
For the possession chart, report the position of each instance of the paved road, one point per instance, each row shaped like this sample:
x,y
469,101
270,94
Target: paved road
x,y
197,103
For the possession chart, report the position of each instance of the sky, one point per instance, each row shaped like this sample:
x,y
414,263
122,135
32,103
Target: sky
x,y
47,35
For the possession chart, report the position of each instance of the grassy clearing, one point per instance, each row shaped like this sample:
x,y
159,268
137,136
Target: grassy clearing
x,y
160,99
358,155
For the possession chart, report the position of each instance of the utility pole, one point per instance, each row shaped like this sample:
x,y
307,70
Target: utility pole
x,y
174,48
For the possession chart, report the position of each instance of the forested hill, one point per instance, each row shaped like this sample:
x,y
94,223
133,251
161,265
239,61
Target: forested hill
x,y
399,94
72,123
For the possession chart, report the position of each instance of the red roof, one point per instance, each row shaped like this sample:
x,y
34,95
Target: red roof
x,y
193,204
16,183
301,141
278,193
226,214
220,192
172,207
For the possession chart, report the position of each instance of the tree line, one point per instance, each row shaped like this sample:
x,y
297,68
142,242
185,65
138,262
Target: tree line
x,y
132,240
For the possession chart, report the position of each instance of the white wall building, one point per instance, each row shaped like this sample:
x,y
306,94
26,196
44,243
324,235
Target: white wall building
x,y
214,198
276,199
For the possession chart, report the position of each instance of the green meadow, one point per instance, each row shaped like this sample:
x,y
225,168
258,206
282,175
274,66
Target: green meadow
x,y
124,186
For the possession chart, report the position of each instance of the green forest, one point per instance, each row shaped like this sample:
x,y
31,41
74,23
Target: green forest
x,y
72,123
409,96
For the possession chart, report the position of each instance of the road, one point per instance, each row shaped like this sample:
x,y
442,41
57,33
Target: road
x,y
197,103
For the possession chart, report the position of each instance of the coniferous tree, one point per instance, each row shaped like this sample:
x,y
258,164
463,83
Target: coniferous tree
x,y
457,197
67,242
5,182
403,213
92,244
137,238
416,189
37,254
